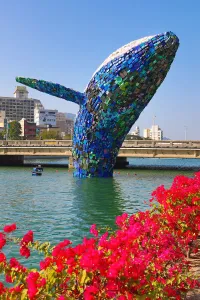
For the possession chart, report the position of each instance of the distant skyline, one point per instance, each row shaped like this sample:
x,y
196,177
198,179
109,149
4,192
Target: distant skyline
x,y
65,42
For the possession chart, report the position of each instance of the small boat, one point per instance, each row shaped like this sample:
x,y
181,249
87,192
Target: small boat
x,y
39,168
37,171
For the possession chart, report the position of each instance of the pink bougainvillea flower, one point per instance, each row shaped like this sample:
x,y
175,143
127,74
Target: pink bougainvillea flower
x,y
2,257
2,240
10,228
24,251
27,238
93,230
8,278
32,284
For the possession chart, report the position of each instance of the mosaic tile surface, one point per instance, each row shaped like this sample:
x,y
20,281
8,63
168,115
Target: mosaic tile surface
x,y
114,98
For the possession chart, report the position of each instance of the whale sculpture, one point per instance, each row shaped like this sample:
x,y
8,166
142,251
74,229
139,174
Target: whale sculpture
x,y
114,98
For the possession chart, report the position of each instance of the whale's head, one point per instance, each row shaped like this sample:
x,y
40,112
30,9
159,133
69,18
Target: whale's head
x,y
127,80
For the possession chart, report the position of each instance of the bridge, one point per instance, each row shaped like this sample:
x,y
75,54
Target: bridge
x,y
13,152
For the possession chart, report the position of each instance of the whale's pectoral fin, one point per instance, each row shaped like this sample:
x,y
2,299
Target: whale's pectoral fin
x,y
53,89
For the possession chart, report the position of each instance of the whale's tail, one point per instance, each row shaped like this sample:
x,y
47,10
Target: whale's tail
x,y
53,89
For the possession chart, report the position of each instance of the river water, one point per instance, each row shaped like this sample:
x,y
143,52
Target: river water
x,y
57,206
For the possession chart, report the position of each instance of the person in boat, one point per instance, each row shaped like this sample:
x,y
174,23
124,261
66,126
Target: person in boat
x,y
39,168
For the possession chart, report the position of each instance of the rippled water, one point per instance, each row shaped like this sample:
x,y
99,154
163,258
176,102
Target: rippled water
x,y
57,206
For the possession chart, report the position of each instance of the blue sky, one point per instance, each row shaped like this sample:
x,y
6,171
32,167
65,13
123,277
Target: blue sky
x,y
64,41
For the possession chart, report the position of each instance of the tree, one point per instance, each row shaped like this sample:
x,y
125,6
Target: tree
x,y
135,137
14,130
2,134
49,135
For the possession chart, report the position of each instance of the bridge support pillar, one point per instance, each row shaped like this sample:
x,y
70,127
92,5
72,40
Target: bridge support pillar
x,y
121,162
70,164
11,160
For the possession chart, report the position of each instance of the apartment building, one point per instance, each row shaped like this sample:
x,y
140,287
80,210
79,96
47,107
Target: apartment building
x,y
20,106
66,125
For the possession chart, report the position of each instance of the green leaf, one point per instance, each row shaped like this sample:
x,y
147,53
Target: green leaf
x,y
24,294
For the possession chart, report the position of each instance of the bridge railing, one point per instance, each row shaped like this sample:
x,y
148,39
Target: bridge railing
x,y
160,144
126,143
36,143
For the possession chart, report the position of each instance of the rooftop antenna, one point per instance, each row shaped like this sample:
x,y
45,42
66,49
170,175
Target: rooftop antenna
x,y
154,117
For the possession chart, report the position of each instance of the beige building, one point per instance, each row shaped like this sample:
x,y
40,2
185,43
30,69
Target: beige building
x,y
20,106
2,118
146,133
66,125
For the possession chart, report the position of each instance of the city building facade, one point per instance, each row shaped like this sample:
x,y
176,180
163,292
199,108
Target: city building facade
x,y
154,133
28,129
136,131
2,118
20,106
44,117
66,125
146,133
70,116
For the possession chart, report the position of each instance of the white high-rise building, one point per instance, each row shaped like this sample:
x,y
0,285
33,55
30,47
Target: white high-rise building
x,y
154,133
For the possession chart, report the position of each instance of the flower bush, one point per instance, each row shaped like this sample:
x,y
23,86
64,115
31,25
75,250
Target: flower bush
x,y
145,258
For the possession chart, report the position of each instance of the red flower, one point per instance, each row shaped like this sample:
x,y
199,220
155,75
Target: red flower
x,y
93,230
2,240
16,289
32,284
90,292
58,248
10,228
16,265
2,288
2,257
9,278
24,251
45,263
27,238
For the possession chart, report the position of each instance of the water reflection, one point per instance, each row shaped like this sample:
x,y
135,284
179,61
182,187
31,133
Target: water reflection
x,y
97,200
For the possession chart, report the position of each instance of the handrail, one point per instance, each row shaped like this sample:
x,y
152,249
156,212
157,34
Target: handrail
x,y
126,143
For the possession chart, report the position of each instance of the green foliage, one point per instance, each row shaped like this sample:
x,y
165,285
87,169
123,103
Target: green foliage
x,y
49,135
2,134
135,137
14,130
67,137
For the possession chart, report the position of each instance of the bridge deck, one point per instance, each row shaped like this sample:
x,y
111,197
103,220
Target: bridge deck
x,y
136,148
